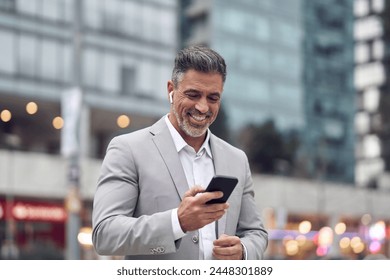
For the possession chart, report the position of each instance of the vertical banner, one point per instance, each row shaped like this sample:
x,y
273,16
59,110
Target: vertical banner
x,y
71,103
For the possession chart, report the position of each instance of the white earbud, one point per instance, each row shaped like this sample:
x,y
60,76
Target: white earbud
x,y
170,97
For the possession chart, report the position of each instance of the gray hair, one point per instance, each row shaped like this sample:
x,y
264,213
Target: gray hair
x,y
199,58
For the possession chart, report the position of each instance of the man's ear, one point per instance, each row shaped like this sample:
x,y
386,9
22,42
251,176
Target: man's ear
x,y
170,88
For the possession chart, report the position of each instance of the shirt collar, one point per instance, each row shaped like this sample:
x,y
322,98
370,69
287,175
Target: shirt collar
x,y
180,143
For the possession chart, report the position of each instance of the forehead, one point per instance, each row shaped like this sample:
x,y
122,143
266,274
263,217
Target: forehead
x,y
211,81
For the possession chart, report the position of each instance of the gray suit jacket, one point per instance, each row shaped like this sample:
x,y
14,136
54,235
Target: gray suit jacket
x,y
142,180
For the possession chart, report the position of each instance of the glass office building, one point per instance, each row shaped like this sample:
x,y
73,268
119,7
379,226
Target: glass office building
x,y
289,63
372,83
330,97
120,54
258,40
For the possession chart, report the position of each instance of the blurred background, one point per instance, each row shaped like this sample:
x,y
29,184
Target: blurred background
x,y
307,97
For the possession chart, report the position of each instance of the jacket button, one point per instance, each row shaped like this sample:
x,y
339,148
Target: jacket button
x,y
195,239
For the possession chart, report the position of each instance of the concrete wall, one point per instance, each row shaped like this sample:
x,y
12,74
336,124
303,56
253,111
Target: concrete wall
x,y
42,175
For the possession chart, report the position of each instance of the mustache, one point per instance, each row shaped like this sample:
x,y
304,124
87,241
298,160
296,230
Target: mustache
x,y
195,112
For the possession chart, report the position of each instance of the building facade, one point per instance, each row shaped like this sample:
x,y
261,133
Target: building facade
x,y
118,53
329,90
371,81
290,63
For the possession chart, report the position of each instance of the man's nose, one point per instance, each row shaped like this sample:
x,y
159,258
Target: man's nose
x,y
202,106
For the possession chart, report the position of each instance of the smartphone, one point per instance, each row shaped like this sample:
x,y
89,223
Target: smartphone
x,y
225,184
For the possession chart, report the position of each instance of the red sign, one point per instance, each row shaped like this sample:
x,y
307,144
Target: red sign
x,y
2,211
33,211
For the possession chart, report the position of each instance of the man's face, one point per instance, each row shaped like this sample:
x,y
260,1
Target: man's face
x,y
196,102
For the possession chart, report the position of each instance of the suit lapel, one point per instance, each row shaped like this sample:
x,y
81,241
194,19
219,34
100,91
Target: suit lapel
x,y
164,143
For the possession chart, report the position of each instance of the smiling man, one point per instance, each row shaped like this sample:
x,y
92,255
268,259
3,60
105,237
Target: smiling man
x,y
150,201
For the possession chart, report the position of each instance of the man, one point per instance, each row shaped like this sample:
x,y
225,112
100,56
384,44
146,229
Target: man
x,y
150,201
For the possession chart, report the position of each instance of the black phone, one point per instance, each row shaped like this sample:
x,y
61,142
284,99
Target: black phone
x,y
225,184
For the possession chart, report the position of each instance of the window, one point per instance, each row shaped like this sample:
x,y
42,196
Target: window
x,y
66,56
29,7
132,22
152,28
50,9
110,73
49,59
27,53
111,15
7,4
91,67
128,80
168,22
93,13
287,33
7,51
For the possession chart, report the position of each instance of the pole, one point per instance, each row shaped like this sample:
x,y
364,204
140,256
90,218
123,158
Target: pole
x,y
72,103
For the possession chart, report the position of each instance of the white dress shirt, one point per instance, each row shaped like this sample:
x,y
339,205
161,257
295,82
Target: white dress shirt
x,y
199,170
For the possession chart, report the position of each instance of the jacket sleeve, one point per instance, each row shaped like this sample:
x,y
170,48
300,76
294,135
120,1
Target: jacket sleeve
x,y
116,230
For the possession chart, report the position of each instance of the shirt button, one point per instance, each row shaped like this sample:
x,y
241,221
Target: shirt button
x,y
195,239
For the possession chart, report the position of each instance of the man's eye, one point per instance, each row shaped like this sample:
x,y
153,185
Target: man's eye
x,y
214,98
192,94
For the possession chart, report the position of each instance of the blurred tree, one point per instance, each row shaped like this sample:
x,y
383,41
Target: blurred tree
x,y
268,150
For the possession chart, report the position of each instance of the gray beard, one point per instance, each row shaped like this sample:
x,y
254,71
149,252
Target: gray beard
x,y
188,128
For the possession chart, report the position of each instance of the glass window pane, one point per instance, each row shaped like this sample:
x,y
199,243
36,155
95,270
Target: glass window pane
x,y
27,54
111,72
50,9
49,60
66,65
152,26
68,6
111,15
27,6
91,66
146,71
130,18
92,13
7,51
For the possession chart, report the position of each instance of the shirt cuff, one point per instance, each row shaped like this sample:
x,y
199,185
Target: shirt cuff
x,y
244,252
177,231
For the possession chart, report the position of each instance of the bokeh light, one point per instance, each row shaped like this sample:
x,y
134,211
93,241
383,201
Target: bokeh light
x,y
344,242
123,121
5,115
58,123
31,108
340,228
304,227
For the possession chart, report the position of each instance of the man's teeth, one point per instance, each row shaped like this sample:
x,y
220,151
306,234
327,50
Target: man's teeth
x,y
198,118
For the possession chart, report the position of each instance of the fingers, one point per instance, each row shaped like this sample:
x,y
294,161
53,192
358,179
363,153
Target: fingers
x,y
228,248
194,213
203,197
206,196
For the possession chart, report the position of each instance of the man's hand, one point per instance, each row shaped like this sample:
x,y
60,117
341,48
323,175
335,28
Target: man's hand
x,y
194,213
228,248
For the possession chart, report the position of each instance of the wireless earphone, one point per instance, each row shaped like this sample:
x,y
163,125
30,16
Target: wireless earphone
x,y
170,97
